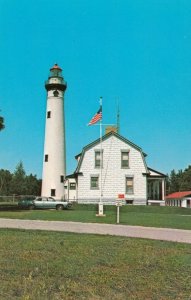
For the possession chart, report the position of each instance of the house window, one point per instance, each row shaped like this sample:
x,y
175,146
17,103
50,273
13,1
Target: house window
x,y
98,158
72,185
129,185
61,178
129,201
53,192
94,182
48,114
46,157
124,159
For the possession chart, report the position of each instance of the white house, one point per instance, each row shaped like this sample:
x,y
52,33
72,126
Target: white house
x,y
180,199
116,166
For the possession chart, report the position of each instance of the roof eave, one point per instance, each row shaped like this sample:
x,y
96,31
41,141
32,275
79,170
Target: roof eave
x,y
159,173
74,175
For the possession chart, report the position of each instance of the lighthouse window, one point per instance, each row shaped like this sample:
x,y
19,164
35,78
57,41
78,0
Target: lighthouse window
x,y
55,93
49,114
61,178
46,157
53,192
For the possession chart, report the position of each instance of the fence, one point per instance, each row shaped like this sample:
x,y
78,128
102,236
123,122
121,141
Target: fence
x,y
13,198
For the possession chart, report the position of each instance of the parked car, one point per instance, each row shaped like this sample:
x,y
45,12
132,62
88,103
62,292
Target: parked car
x,y
44,202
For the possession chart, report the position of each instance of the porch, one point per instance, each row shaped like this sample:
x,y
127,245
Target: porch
x,y
156,188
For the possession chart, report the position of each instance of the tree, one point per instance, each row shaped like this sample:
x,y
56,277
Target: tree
x,y
5,182
180,181
33,185
18,183
168,184
185,183
2,126
22,184
173,182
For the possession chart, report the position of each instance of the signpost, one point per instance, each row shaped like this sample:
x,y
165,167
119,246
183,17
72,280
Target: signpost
x,y
118,203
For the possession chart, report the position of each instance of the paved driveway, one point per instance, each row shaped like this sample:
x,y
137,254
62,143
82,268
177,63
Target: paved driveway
x,y
165,234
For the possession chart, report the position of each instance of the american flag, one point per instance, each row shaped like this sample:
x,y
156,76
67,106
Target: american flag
x,y
97,117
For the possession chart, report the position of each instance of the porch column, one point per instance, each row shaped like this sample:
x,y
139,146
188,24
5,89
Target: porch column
x,y
163,189
158,189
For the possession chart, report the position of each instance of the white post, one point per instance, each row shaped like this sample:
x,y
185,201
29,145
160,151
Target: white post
x,y
101,158
100,205
118,214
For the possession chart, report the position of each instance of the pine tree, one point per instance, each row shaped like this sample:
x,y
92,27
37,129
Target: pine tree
x,y
185,184
2,126
173,181
5,182
18,183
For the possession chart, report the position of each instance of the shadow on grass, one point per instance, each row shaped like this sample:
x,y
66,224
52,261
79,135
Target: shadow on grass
x,y
9,207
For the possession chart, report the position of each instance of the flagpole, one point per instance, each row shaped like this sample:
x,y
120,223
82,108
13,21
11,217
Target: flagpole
x,y
101,156
98,117
94,121
100,205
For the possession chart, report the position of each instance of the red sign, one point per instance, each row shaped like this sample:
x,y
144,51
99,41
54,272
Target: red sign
x,y
121,196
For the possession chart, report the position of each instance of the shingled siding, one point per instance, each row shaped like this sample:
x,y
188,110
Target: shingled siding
x,y
113,176
110,201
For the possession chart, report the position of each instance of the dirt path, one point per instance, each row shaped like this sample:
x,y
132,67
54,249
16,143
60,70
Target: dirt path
x,y
165,234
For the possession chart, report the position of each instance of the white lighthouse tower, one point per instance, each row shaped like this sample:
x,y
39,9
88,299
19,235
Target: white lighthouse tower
x,y
54,161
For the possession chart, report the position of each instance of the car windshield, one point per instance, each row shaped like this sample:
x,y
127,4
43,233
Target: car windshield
x,y
38,199
51,199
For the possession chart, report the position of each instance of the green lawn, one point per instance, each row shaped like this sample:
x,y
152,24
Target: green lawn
x,y
169,217
36,265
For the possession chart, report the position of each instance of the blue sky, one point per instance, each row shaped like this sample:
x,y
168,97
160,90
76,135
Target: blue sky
x,y
135,52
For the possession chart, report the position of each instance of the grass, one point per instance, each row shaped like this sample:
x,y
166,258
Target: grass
x,y
166,217
36,265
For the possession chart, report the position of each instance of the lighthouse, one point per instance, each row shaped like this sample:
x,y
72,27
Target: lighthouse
x,y
54,160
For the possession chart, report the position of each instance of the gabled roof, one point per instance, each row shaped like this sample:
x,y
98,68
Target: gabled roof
x,y
178,195
105,137
154,173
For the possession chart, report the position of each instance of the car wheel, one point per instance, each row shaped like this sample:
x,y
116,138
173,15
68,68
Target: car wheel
x,y
31,207
59,207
